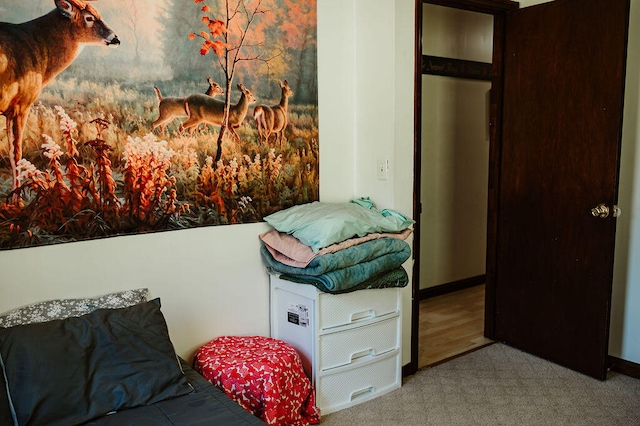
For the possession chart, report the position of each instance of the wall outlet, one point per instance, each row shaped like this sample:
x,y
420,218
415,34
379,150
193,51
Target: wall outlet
x,y
383,169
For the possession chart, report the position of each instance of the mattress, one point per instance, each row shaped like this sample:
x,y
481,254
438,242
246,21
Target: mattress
x,y
206,406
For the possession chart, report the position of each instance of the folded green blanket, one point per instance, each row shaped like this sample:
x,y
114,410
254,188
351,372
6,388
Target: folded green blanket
x,y
347,268
394,278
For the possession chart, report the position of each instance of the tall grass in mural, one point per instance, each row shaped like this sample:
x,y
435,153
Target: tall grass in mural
x,y
93,166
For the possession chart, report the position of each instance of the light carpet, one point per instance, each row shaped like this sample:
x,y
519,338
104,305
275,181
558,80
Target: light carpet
x,y
500,385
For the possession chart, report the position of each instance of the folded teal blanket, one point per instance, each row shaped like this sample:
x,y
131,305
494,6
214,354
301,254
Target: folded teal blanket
x,y
348,268
394,278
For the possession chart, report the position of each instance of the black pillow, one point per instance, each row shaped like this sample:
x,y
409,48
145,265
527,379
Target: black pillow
x,y
66,372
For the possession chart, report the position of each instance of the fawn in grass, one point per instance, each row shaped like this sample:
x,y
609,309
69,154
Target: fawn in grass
x,y
273,120
171,108
204,109
33,53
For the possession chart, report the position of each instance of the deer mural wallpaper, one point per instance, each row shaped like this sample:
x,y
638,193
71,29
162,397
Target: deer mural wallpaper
x,y
131,116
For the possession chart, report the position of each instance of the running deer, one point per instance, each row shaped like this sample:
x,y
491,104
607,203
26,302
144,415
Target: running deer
x,y
172,108
273,119
33,53
204,109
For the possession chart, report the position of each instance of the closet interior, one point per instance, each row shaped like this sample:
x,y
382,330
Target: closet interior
x,y
456,81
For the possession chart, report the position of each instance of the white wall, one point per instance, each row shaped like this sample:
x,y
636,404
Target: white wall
x,y
384,72
455,33
455,180
212,280
455,150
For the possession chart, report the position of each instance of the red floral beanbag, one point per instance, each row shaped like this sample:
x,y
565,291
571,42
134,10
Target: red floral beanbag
x,y
263,375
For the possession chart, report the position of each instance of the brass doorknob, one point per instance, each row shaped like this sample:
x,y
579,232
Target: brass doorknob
x,y
602,211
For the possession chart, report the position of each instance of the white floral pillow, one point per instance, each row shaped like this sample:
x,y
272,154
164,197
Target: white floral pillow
x,y
65,308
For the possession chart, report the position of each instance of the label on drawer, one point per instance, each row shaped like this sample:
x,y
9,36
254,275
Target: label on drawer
x,y
298,315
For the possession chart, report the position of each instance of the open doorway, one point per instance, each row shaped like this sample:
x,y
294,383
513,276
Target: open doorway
x,y
457,49
546,284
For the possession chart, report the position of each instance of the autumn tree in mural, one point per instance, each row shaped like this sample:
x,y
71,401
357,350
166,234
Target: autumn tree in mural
x,y
227,44
93,164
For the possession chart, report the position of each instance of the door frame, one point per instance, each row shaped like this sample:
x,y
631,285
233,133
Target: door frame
x,y
499,9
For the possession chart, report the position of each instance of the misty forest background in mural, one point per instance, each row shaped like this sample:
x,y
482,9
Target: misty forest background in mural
x,y
94,166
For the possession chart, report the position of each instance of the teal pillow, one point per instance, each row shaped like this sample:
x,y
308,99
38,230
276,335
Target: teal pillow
x,y
320,224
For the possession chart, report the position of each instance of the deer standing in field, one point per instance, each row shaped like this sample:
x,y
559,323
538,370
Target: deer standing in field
x,y
172,108
273,119
33,53
204,109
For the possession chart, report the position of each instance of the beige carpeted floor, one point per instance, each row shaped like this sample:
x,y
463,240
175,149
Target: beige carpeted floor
x,y
500,385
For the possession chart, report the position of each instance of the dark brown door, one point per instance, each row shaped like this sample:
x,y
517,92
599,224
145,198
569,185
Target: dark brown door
x,y
564,68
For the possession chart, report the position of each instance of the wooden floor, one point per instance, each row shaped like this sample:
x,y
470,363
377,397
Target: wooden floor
x,y
450,325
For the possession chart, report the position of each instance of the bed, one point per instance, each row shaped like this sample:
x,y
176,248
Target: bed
x,y
103,361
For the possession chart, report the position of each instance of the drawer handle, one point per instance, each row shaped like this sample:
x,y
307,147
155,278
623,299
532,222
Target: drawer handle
x,y
361,393
369,313
361,354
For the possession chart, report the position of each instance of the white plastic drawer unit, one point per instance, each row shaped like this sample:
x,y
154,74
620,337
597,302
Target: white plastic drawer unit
x,y
349,343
